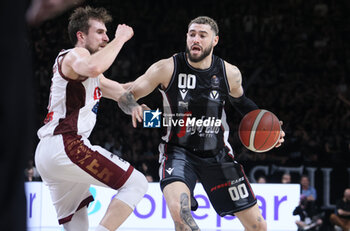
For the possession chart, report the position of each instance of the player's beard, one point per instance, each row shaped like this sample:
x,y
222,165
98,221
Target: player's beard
x,y
90,49
93,50
205,53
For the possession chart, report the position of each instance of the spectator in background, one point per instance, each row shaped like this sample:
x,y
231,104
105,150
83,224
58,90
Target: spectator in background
x,y
310,218
307,190
286,178
341,217
31,173
261,179
149,177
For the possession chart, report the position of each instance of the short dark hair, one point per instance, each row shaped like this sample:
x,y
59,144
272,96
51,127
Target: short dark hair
x,y
206,20
79,20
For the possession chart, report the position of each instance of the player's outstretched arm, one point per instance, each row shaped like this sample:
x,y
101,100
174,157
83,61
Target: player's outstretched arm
x,y
158,74
114,90
126,86
111,89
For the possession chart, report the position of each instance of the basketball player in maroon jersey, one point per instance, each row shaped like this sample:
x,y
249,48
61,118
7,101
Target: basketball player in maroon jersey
x,y
66,160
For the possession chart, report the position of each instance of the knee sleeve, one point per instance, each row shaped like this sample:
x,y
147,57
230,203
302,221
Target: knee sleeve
x,y
133,190
79,221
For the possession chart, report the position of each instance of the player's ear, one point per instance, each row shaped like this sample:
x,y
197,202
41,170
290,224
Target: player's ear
x,y
80,36
215,40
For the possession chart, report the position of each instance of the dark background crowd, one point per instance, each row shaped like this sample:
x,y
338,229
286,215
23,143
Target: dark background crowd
x,y
294,56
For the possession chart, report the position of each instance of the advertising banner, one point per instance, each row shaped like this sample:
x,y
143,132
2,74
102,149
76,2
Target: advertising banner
x,y
276,202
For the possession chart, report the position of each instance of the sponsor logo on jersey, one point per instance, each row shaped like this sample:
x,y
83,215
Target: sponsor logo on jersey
x,y
48,117
227,184
183,105
215,82
97,93
183,93
214,94
151,118
169,170
95,108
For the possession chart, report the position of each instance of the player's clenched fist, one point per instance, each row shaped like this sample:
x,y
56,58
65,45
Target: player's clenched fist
x,y
124,32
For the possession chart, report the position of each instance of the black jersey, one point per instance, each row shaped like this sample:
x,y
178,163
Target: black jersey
x,y
193,103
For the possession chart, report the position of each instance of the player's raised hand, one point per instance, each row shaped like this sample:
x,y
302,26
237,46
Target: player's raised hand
x,y
124,32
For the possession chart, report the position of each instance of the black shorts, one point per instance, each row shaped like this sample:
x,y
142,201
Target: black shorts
x,y
223,178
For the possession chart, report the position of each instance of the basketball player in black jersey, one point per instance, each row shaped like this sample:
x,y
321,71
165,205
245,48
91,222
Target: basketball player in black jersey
x,y
195,86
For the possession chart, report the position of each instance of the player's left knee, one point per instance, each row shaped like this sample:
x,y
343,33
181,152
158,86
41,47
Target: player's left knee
x,y
134,189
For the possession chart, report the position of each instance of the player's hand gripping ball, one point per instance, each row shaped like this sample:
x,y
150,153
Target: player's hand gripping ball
x,y
259,130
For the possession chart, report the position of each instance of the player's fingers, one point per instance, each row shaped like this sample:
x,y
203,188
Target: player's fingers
x,y
136,116
281,140
283,134
133,117
139,114
133,122
281,122
279,143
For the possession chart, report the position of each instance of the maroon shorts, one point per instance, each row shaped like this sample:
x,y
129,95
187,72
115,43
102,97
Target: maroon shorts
x,y
69,164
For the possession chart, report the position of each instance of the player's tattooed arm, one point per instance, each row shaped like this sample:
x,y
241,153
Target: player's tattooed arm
x,y
127,102
185,214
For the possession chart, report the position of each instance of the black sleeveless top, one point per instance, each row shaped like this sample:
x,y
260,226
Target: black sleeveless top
x,y
193,106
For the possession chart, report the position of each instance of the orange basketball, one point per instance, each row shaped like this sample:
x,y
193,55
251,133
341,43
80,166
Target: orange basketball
x,y
259,130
